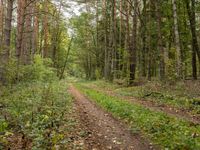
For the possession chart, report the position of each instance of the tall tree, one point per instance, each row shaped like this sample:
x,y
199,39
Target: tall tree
x,y
133,47
20,29
4,55
195,47
1,22
177,39
160,39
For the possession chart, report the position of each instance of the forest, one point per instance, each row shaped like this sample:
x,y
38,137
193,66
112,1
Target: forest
x,y
99,74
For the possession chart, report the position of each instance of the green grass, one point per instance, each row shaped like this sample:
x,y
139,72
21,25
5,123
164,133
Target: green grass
x,y
182,95
38,110
166,131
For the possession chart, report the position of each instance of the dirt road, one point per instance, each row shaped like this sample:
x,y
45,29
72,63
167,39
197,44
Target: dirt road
x,y
102,131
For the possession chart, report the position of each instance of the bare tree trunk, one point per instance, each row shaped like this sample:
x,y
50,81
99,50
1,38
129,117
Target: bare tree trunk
x,y
4,55
1,23
160,41
133,49
28,34
106,55
144,39
46,32
126,65
20,29
35,32
127,36
149,55
121,40
195,46
177,40
114,42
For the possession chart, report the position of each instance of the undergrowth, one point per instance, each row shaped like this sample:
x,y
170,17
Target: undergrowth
x,y
183,95
36,111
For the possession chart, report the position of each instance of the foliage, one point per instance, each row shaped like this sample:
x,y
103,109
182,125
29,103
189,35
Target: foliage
x,y
39,70
37,110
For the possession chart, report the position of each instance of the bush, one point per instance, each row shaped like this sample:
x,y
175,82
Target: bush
x,y
40,70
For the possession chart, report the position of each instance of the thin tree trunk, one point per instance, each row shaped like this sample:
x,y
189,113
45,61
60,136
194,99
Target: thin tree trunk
x,y
35,32
160,40
66,59
177,40
106,65
195,46
144,39
1,23
149,43
133,50
114,42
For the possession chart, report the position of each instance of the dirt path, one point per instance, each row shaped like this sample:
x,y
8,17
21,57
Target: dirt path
x,y
180,113
103,132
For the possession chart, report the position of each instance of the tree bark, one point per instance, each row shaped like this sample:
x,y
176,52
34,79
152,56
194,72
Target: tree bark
x,y
20,29
160,40
1,23
4,54
46,32
35,32
177,40
144,39
195,45
133,49
27,46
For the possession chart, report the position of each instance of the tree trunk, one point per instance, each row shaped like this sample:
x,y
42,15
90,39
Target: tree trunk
x,y
35,32
195,46
114,40
133,50
106,63
160,40
4,54
149,55
177,40
1,23
144,39
46,32
27,46
20,29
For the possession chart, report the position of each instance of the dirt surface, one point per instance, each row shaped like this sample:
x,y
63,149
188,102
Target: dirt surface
x,y
102,131
172,111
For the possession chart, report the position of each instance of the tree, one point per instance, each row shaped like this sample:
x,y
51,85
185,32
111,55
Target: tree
x,y
4,55
195,47
177,39
133,47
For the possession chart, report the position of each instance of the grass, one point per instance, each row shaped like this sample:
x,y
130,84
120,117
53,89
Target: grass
x,y
183,95
166,131
39,111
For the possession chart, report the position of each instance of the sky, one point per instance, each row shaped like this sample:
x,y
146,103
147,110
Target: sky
x,y
71,8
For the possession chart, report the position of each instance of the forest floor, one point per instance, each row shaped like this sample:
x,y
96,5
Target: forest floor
x,y
102,130
170,110
98,115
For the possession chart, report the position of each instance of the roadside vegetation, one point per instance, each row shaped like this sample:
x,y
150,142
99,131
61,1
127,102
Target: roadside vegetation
x,y
184,95
37,114
166,131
